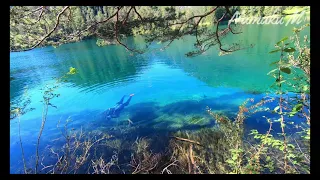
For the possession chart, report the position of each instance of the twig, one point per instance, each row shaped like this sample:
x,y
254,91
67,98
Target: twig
x,y
187,140
45,167
22,150
125,20
282,118
217,30
135,10
302,152
192,159
41,13
166,168
44,118
116,34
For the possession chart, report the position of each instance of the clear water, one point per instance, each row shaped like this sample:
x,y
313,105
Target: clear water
x,y
170,88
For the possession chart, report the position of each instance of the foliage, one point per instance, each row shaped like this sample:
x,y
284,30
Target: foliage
x,y
19,107
52,25
264,153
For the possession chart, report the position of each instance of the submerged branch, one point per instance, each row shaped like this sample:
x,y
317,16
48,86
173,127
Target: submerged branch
x,y
187,140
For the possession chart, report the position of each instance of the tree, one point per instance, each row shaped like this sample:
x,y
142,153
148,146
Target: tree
x,y
31,26
58,25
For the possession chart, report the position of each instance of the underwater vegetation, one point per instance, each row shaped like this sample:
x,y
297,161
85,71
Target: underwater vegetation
x,y
223,144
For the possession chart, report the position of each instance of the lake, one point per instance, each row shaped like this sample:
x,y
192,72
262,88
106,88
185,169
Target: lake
x,y
170,89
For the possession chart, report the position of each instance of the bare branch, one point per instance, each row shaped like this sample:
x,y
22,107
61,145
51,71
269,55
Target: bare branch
x,y
217,31
116,34
166,168
70,14
125,20
41,13
188,140
135,10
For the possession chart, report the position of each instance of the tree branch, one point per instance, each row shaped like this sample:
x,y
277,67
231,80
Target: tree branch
x,y
125,20
41,13
187,140
135,10
50,32
217,31
116,34
96,23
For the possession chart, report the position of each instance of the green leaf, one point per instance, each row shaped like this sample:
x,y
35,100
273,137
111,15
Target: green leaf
x,y
268,158
278,120
281,148
305,88
291,114
291,146
276,50
286,70
297,108
276,62
272,71
72,70
276,108
282,81
253,131
283,39
290,49
291,155
229,161
234,158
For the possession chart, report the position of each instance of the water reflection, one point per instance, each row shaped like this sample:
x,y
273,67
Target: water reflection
x,y
111,65
246,69
96,66
99,66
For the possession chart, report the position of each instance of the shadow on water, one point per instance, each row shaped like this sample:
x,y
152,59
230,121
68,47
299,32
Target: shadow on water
x,y
187,115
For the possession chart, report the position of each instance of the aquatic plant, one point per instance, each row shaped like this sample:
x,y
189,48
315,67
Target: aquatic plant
x,y
76,152
16,110
19,106
49,94
142,160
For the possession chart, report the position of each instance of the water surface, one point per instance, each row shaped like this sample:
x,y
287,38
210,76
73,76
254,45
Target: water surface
x,y
171,90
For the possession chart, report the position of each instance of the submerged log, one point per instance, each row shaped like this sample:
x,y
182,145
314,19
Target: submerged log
x,y
187,140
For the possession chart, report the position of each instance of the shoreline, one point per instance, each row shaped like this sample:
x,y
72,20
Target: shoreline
x,y
286,18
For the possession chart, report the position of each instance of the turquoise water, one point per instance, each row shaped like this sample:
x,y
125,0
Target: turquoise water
x,y
170,89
